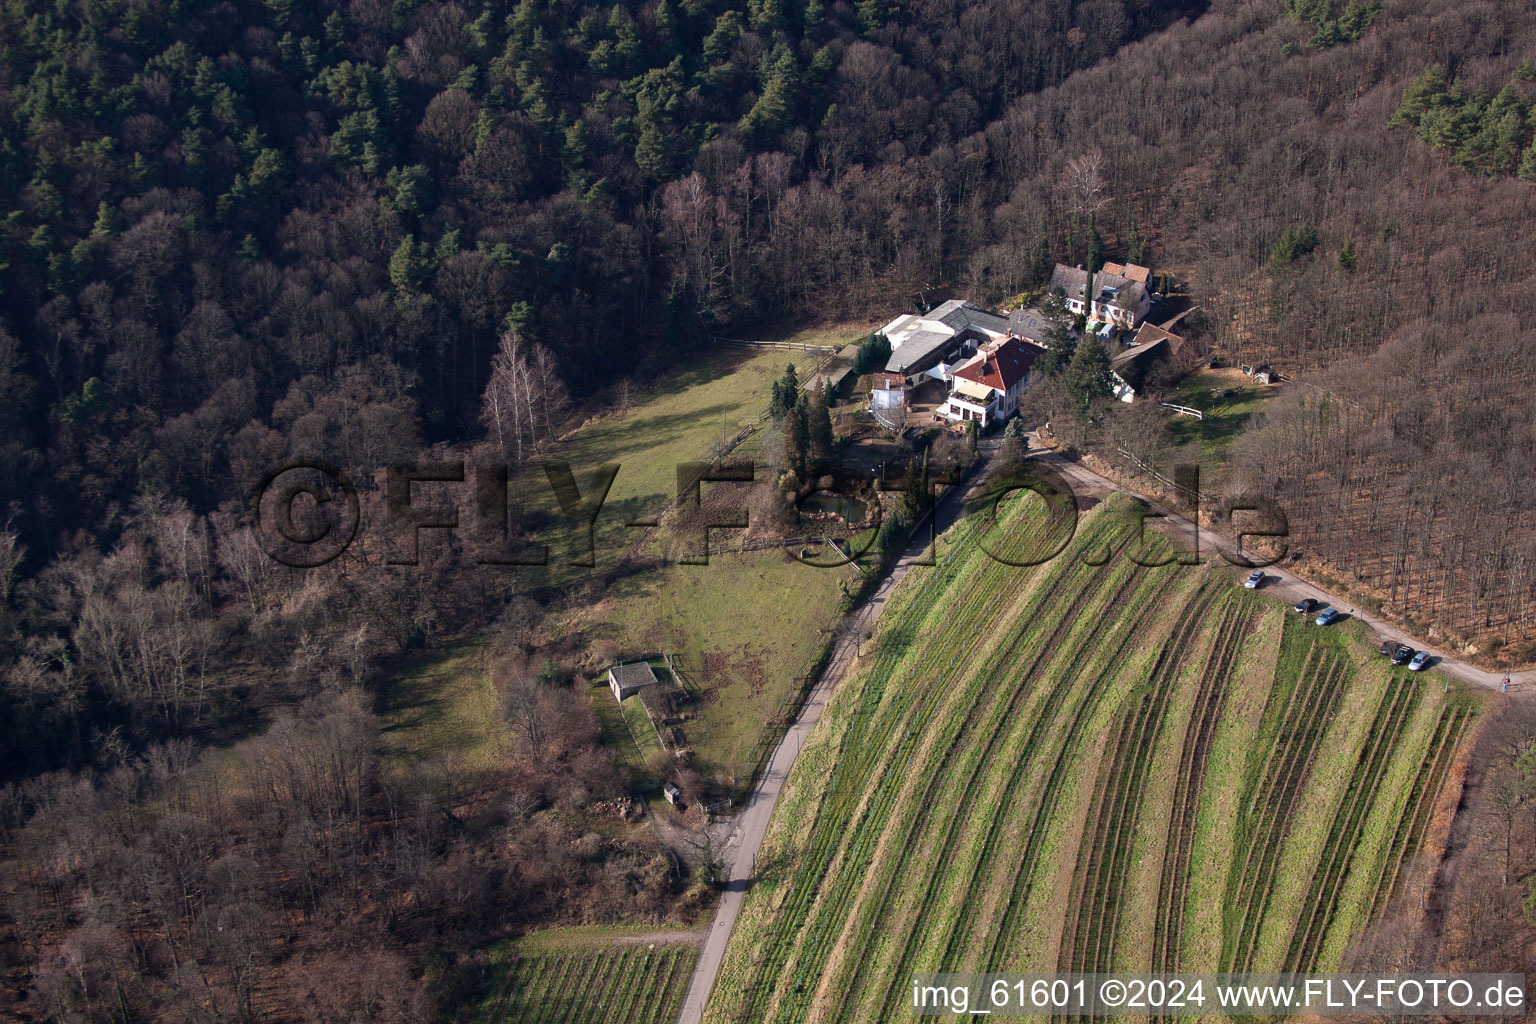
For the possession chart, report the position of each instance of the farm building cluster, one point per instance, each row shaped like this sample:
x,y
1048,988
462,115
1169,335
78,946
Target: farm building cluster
x,y
975,364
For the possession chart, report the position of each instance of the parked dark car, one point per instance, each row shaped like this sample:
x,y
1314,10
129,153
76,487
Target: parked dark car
x,y
1387,648
1305,606
1403,655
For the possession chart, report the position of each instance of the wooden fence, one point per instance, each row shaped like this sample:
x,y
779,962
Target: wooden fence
x,y
1175,487
798,346
1183,410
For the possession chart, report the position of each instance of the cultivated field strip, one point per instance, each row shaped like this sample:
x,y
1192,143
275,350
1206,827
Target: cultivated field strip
x,y
1397,703
1035,836
874,761
837,902
1302,724
1088,942
856,760
958,735
1168,930
1433,768
622,985
980,788
1020,661
1038,731
1074,654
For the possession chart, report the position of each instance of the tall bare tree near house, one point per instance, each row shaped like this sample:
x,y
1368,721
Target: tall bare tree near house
x,y
505,408
548,390
1082,183
527,710
707,843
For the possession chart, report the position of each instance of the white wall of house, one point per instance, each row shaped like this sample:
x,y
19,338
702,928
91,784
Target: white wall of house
x,y
1122,391
1002,405
959,409
1114,314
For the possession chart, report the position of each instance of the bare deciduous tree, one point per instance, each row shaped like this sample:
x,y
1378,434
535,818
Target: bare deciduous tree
x,y
501,409
1082,183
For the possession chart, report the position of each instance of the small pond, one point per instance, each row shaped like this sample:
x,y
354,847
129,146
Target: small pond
x,y
823,503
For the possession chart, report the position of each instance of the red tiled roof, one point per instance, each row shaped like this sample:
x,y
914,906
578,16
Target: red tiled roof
x,y
1004,366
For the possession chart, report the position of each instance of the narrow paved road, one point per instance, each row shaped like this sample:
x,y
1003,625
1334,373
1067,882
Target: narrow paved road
x,y
1283,583
752,823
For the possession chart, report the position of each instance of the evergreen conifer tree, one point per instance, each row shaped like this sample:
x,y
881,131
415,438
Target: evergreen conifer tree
x,y
1088,376
819,423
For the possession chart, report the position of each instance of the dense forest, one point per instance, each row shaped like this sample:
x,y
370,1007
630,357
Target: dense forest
x,y
223,211
236,232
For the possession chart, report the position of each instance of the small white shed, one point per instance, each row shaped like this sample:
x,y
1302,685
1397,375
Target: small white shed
x,y
628,680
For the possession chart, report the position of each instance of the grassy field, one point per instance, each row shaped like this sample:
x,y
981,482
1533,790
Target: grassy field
x,y
801,333
617,736
640,728
1228,399
1082,768
678,419
590,976
442,705
742,628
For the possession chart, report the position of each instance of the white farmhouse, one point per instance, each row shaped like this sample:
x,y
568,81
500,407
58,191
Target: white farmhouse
x,y
986,388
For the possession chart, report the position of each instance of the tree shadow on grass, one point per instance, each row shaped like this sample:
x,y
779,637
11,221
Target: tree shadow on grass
x,y
413,691
412,706
611,439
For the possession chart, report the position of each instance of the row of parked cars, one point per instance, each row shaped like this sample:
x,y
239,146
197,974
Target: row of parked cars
x,y
1306,606
1401,654
1325,615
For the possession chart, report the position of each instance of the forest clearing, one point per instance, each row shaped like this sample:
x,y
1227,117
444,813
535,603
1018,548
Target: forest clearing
x,y
641,597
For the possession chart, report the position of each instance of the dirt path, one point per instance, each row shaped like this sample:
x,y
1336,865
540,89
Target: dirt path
x,y
752,822
1283,583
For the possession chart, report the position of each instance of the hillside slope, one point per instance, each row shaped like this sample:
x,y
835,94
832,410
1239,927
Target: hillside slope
x,y
1077,768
